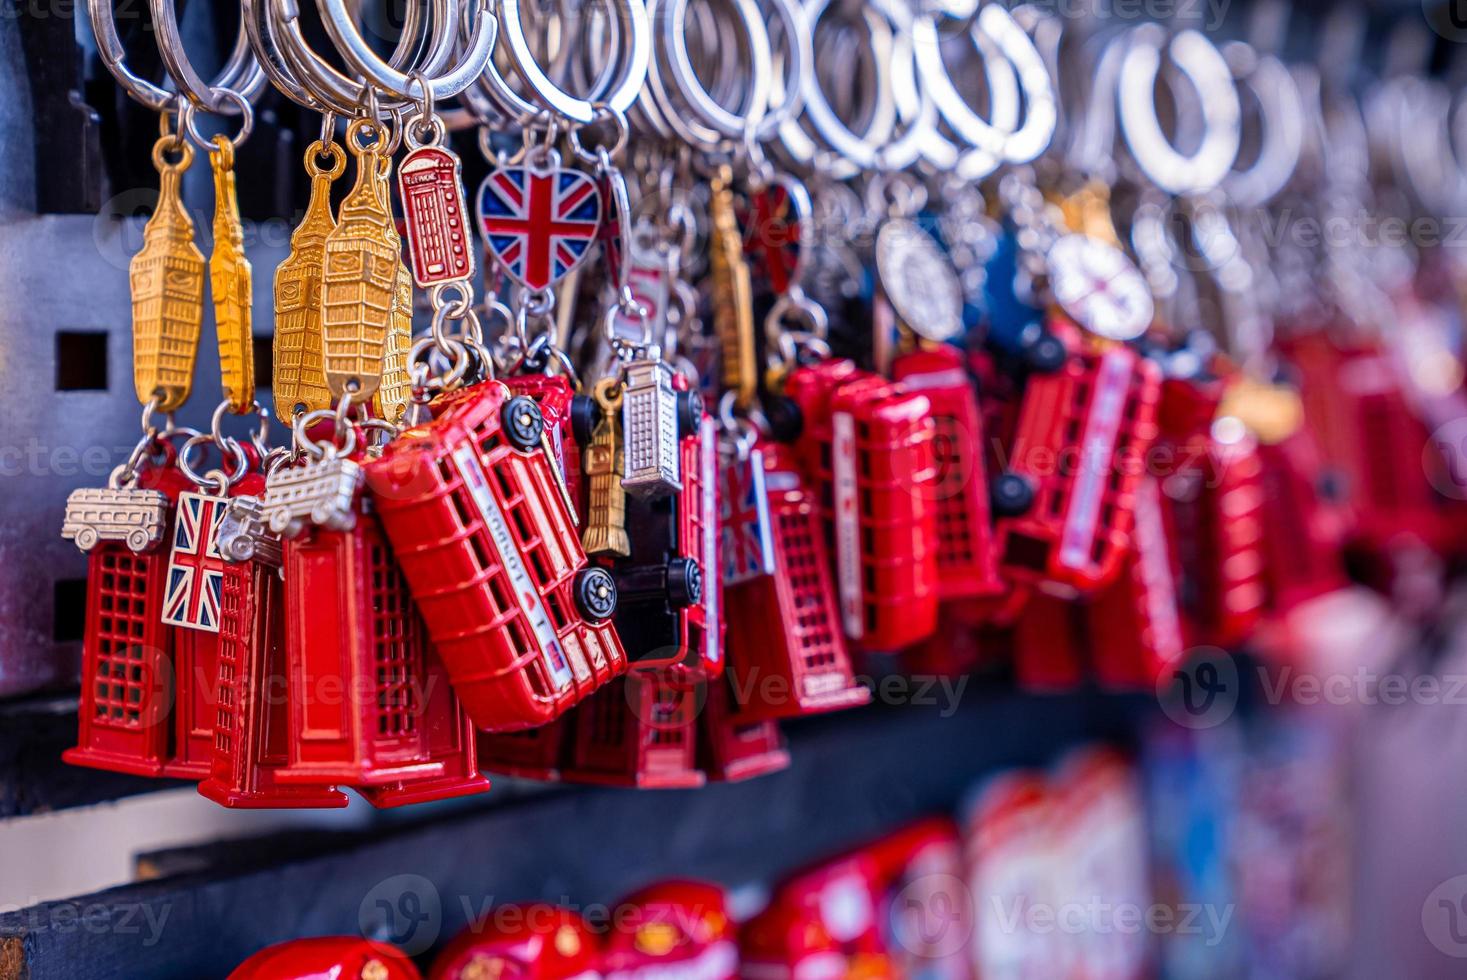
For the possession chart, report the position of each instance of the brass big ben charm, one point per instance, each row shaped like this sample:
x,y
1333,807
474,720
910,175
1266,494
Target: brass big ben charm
x,y
360,278
733,295
300,374
232,279
167,280
392,398
605,531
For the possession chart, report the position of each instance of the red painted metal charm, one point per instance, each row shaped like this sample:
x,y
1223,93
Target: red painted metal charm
x,y
522,942
640,730
538,222
867,445
252,705
967,565
673,928
484,535
1078,452
436,217
344,957
732,748
356,658
127,676
196,571
1305,523
787,655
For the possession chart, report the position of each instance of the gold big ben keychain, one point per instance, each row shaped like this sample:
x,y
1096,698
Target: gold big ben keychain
x,y
300,374
231,278
359,284
605,531
733,303
392,397
167,282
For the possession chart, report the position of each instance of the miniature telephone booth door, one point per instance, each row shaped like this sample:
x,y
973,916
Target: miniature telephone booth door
x,y
124,718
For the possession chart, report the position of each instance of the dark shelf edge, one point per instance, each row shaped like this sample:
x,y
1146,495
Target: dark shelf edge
x,y
853,776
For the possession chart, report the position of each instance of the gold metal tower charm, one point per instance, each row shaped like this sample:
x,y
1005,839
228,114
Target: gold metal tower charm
x,y
733,295
232,280
300,375
396,391
360,280
605,532
167,279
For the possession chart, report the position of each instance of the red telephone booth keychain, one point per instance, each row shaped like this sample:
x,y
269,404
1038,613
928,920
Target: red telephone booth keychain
x,y
124,717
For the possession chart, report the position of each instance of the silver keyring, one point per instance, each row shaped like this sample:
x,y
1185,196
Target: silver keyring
x,y
326,87
985,137
342,29
1204,67
261,28
677,64
248,84
832,147
632,19
236,74
1281,121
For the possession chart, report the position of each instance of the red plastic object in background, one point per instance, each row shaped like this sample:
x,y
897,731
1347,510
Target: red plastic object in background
x,y
867,447
926,911
1048,645
485,538
841,897
786,653
343,957
789,942
1081,442
672,928
967,566
640,730
355,662
522,942
127,677
252,716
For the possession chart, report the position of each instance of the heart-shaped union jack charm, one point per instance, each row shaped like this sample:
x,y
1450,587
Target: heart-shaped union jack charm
x,y
538,223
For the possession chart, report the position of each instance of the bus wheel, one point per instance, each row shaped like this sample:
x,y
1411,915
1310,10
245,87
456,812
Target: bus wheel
x,y
595,594
684,583
522,421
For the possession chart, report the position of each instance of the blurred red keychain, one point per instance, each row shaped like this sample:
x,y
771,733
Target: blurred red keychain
x,y
1078,453
866,446
787,656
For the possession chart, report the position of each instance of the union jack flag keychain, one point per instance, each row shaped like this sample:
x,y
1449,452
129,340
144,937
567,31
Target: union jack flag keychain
x,y
539,219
